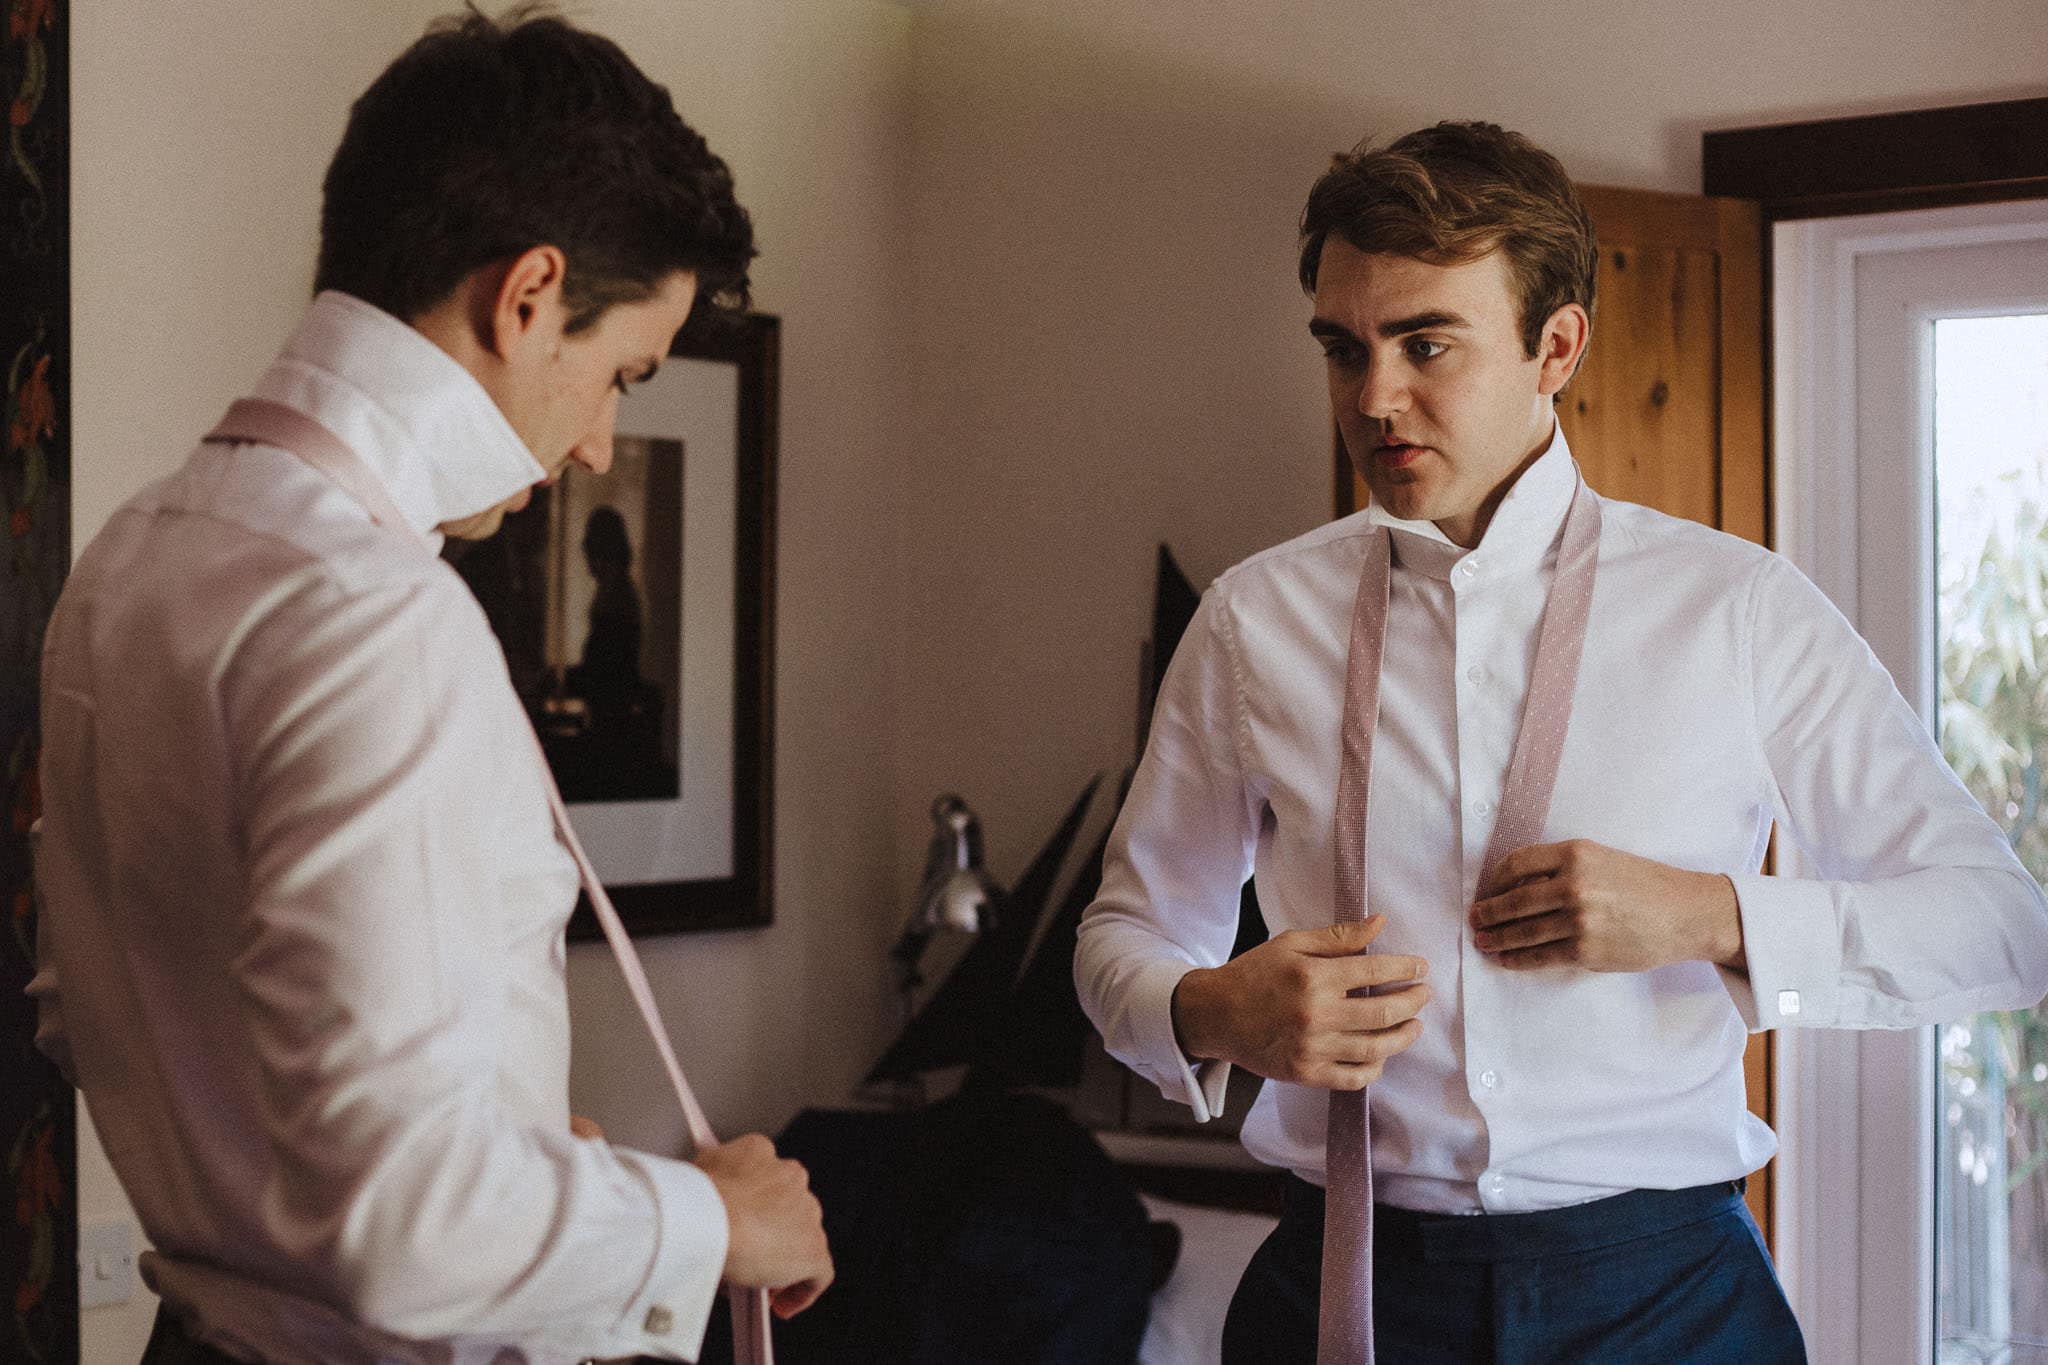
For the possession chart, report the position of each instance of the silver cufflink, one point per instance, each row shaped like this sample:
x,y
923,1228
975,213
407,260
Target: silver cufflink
x,y
1788,1002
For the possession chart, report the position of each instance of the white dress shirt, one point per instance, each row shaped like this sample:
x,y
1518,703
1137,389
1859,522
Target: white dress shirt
x,y
304,904
1719,689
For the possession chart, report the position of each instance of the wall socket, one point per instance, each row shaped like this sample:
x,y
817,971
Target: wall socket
x,y
106,1263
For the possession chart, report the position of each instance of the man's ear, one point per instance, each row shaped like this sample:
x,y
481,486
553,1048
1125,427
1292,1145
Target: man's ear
x,y
1562,347
526,308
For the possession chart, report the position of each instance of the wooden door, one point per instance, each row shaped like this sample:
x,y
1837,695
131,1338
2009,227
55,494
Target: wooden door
x,y
1668,408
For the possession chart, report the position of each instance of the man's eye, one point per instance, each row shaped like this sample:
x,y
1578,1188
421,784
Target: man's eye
x,y
1420,349
1340,353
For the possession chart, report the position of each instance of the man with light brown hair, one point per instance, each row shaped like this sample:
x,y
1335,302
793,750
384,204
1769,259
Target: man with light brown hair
x,y
1542,737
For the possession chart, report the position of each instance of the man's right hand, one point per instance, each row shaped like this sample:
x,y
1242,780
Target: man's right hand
x,y
777,1238
1285,1009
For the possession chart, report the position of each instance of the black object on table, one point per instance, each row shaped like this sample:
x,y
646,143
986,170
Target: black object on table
x,y
986,1229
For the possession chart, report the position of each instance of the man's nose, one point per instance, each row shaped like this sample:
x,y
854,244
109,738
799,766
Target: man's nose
x,y
594,451
1382,393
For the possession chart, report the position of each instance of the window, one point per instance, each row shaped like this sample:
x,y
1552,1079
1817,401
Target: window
x,y
1909,442
1991,537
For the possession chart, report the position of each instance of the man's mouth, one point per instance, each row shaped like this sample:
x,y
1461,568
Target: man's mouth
x,y
1396,454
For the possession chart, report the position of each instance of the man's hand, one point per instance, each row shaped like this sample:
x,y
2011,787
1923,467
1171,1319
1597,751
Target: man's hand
x,y
1596,907
1286,1010
778,1228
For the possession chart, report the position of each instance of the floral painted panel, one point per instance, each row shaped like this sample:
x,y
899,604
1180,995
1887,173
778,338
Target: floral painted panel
x,y
38,1137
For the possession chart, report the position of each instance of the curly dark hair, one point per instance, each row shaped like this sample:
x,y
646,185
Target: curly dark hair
x,y
1453,193
488,137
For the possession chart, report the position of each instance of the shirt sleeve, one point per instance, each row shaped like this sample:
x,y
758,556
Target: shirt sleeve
x,y
1174,869
368,750
1918,911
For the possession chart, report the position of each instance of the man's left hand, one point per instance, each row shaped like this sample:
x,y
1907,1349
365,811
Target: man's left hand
x,y
1587,905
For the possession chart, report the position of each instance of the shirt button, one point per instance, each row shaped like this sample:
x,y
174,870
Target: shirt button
x,y
1496,1183
1476,674
1489,1079
1481,807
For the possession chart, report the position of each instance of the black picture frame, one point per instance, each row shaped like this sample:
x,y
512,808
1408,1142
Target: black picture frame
x,y
744,896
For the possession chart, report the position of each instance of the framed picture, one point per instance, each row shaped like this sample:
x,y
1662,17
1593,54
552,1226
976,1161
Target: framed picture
x,y
636,611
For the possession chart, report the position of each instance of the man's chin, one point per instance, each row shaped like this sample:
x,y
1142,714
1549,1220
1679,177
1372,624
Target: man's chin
x,y
1407,500
485,524
482,526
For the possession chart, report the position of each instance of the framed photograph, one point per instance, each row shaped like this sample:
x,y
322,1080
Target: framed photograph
x,y
636,611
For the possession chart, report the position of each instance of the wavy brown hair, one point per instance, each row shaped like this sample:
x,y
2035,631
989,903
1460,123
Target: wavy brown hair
x,y
1453,193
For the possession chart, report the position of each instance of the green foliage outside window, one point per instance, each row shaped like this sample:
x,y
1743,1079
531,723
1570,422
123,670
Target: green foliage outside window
x,y
1994,733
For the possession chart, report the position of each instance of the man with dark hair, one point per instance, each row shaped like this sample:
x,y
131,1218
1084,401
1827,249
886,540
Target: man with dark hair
x,y
305,891
539,133
1542,737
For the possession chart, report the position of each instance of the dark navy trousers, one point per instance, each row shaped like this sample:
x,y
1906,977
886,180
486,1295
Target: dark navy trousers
x,y
1662,1276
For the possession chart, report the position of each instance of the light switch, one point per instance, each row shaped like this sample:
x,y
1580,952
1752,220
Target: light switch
x,y
106,1263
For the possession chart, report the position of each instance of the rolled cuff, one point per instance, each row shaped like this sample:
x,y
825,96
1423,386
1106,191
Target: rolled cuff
x,y
1794,949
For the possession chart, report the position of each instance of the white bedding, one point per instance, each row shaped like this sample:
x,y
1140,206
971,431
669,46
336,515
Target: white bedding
x,y
1187,1313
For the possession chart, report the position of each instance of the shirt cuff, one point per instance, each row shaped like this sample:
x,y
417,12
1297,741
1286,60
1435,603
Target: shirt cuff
x,y
1794,949
1200,1086
668,1315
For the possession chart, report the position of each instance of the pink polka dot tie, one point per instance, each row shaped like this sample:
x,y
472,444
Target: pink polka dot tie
x,y
1344,1333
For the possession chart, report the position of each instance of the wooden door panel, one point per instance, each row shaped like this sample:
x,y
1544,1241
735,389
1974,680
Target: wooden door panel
x,y
1644,423
1675,375
1668,409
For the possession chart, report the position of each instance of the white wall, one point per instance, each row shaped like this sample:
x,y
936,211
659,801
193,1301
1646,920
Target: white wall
x,y
1110,347
199,141
808,102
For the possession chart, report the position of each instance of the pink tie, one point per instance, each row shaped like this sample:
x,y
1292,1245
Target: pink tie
x,y
275,424
1344,1334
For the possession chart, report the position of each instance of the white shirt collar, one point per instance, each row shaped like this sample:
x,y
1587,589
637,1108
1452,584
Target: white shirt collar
x,y
415,416
1524,527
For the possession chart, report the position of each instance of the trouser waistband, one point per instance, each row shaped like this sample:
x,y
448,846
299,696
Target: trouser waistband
x,y
1522,1236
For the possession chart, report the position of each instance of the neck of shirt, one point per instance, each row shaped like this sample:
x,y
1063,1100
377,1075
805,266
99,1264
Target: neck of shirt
x,y
1524,530
421,422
